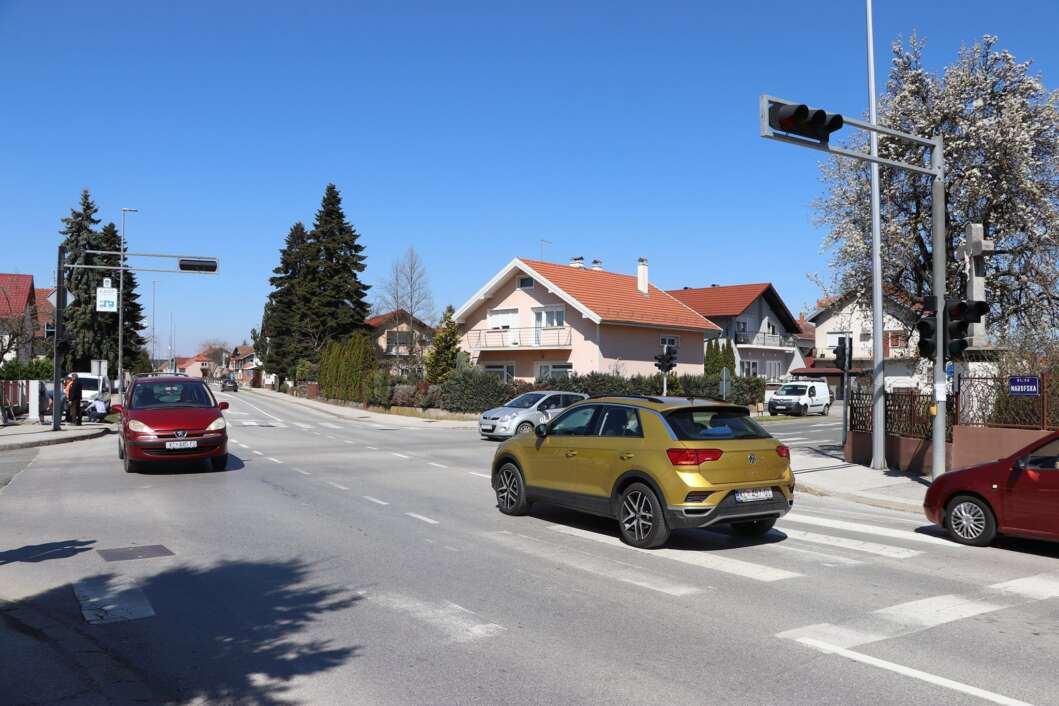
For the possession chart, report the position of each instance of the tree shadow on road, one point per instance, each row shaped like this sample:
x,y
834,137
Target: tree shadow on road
x,y
235,632
32,553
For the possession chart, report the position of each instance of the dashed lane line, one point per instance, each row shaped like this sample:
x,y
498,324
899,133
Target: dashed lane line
x,y
422,518
480,475
437,465
336,485
304,473
258,452
303,425
372,448
399,455
274,460
374,500
347,441
249,404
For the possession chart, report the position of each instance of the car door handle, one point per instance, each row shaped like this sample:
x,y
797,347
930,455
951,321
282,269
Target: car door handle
x,y
571,454
626,456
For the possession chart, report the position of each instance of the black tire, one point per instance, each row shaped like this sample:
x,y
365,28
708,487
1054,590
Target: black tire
x,y
219,463
510,490
121,450
753,528
641,518
970,520
130,466
827,410
524,428
803,410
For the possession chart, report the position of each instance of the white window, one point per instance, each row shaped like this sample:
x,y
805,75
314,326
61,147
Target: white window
x,y
748,368
549,317
525,283
504,371
554,371
833,338
503,318
771,328
773,369
740,327
671,341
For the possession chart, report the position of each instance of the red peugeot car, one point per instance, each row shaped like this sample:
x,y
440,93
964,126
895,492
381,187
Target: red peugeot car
x,y
171,418
1016,495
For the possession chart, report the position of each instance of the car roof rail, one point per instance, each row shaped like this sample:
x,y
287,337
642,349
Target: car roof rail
x,y
645,398
157,374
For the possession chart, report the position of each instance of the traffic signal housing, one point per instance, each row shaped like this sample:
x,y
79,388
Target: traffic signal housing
x,y
666,360
197,264
959,315
927,328
843,353
801,120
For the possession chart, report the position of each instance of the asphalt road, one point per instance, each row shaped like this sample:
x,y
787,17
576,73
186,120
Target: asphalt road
x,y
357,563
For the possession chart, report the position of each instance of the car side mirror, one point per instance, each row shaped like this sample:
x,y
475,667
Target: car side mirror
x,y
116,408
541,430
223,404
1020,464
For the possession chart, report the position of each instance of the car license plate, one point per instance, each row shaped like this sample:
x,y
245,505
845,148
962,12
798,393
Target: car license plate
x,y
488,427
753,495
781,406
181,444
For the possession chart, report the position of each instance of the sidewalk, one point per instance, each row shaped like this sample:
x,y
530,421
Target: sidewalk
x,y
824,472
363,415
30,433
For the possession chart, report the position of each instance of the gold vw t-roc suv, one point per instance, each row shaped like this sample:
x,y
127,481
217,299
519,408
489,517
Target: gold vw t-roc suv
x,y
652,463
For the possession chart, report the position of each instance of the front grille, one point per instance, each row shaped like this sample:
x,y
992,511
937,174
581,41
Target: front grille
x,y
698,496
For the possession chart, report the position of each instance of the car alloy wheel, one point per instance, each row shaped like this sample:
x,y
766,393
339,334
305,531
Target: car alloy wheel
x,y
524,428
510,491
640,517
637,519
968,520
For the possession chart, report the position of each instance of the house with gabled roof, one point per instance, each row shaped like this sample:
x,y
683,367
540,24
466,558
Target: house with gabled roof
x,y
536,319
754,320
401,339
18,316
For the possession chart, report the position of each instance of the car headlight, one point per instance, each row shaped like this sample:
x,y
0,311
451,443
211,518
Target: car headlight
x,y
217,424
508,417
139,427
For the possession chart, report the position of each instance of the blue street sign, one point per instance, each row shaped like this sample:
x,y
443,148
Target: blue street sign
x,y
1024,386
949,370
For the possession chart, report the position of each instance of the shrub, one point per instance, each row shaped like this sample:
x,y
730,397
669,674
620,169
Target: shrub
x,y
403,395
474,390
428,396
381,392
37,369
347,368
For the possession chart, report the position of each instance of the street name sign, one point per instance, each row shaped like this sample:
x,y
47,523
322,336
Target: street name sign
x,y
1024,386
106,299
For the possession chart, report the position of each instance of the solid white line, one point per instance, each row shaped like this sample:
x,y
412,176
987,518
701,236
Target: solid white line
x,y
422,517
437,465
111,599
258,452
336,485
455,621
606,568
248,422
913,673
374,500
274,460
791,438
248,404
303,425
481,475
304,473
243,446
866,529
857,545
705,560
398,455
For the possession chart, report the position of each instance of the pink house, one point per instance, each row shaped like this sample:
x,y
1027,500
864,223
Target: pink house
x,y
538,319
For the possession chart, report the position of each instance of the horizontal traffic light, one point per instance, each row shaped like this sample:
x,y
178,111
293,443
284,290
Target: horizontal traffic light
x,y
197,264
799,119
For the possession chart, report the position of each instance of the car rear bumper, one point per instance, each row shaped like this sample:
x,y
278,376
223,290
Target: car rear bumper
x,y
155,450
729,510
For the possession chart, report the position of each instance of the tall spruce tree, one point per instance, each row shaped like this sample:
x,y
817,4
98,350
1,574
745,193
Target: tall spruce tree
x,y
135,353
84,327
444,352
334,304
728,356
281,320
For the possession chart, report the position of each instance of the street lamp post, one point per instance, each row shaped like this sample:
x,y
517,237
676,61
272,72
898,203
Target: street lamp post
x,y
121,304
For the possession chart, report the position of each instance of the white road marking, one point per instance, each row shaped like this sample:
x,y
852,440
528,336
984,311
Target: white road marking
x,y
913,673
398,455
274,460
232,411
1037,587
304,473
258,452
336,485
606,568
329,436
374,500
303,425
422,518
371,447
329,425
317,433
243,446
437,465
455,621
254,406
702,559
347,441
481,475
791,438
857,545
861,528
111,599
248,422
823,557
234,441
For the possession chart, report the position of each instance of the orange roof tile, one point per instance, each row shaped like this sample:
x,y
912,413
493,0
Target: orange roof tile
x,y
16,292
731,300
615,298
45,310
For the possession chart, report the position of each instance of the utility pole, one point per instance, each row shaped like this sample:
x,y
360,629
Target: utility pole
x,y
937,161
121,304
154,314
878,397
59,335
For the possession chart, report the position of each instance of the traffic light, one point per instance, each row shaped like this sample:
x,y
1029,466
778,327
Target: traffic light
x,y
842,354
959,315
666,360
927,328
799,119
197,264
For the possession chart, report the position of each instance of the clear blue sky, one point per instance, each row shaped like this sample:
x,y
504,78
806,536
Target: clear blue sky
x,y
467,130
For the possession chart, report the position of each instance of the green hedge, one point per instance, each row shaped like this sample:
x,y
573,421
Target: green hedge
x,y
347,369
38,369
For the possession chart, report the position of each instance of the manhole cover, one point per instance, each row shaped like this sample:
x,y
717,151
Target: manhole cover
x,y
148,551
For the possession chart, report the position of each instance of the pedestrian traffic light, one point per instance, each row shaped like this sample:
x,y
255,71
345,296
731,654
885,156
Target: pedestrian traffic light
x,y
842,354
799,119
666,360
959,315
197,264
927,328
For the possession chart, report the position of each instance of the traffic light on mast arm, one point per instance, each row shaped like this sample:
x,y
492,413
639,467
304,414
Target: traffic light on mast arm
x,y
666,360
799,119
959,315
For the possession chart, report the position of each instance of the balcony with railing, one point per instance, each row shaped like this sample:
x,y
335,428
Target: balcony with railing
x,y
765,340
515,338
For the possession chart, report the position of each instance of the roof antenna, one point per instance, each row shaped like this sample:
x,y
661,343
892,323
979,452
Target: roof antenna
x,y
543,243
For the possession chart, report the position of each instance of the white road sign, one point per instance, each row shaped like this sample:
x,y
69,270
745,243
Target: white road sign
x,y
106,299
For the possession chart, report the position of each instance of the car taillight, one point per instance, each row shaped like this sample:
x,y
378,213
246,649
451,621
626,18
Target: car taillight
x,y
783,452
692,457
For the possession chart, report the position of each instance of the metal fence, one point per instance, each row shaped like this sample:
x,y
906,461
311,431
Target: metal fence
x,y
907,414
984,401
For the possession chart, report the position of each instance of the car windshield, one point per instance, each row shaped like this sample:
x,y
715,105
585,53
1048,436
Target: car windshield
x,y
89,384
164,395
525,401
691,424
792,390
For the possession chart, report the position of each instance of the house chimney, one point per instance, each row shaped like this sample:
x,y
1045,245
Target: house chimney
x,y
597,264
641,275
577,262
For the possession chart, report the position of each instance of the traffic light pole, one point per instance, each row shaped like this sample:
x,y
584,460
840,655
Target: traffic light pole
x,y
59,335
937,160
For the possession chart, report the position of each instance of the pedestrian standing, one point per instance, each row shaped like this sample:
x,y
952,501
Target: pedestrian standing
x,y
64,404
75,400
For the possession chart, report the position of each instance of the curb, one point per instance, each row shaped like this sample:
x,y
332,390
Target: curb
x,y
852,497
52,442
324,407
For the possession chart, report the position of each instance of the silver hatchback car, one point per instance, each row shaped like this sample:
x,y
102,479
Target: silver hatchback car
x,y
525,412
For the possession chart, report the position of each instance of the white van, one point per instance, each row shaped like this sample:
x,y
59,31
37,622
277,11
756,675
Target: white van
x,y
801,397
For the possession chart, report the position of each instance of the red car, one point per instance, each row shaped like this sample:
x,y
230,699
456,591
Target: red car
x,y
171,418
1017,495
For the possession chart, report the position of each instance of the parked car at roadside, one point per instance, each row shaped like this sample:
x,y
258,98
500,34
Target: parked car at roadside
x,y
801,398
1015,495
653,464
520,415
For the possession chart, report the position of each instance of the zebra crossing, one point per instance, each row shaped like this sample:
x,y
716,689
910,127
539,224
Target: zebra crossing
x,y
277,424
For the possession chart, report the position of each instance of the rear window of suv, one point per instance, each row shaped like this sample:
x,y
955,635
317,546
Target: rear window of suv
x,y
705,424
